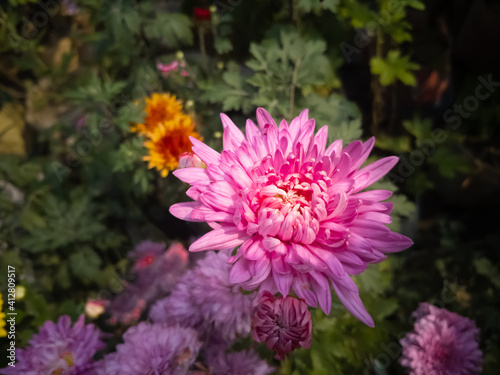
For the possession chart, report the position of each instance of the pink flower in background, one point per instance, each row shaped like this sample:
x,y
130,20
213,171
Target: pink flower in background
x,y
443,343
190,160
294,208
165,68
95,308
80,123
284,323
173,66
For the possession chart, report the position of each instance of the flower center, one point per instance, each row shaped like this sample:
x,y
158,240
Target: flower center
x,y
289,208
442,354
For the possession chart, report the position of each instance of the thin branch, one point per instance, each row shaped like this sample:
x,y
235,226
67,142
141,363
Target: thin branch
x,y
12,92
294,83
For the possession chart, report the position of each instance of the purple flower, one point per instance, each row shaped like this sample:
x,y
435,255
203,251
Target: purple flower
x,y
71,7
283,323
127,306
156,271
206,300
59,349
152,349
246,362
443,343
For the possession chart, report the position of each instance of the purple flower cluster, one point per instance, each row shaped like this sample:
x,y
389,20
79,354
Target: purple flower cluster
x,y
246,362
59,349
152,349
204,311
443,343
155,273
206,300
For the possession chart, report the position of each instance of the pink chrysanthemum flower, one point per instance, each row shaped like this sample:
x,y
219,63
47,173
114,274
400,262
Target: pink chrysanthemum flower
x,y
442,343
283,323
295,209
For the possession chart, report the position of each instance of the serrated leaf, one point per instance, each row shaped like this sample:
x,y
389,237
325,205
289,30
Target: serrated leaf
x,y
223,45
342,116
84,264
394,67
172,28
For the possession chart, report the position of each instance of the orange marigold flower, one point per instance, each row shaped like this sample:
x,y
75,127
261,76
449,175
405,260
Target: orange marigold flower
x,y
159,108
168,141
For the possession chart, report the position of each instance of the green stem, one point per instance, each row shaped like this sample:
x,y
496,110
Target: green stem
x,y
293,85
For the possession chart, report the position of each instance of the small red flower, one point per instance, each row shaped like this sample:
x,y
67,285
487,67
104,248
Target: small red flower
x,y
202,14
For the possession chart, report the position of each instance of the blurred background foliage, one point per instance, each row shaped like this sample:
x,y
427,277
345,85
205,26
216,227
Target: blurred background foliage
x,y
75,195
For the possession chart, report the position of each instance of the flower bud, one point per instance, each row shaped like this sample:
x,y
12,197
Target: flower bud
x,y
283,323
190,160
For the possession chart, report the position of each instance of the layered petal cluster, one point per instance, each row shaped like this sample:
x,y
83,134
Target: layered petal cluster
x,y
155,272
167,129
442,343
294,208
59,349
283,324
159,108
152,349
206,300
246,362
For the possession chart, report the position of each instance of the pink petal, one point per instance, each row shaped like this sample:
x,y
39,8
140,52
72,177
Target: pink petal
x,y
239,272
219,239
283,282
183,210
374,195
205,153
321,287
253,249
391,243
264,118
193,176
218,202
203,213
320,139
251,130
376,170
233,137
349,296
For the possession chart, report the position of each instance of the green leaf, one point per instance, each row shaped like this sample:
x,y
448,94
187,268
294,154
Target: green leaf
x,y
419,128
358,12
394,144
486,268
84,264
316,6
394,67
223,45
342,116
449,161
173,29
36,305
62,276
